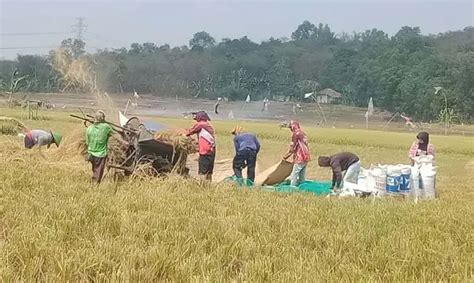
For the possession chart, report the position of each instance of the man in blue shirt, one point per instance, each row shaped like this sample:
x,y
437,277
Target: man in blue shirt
x,y
246,150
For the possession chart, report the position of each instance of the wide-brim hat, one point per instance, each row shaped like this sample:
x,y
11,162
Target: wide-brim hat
x,y
57,137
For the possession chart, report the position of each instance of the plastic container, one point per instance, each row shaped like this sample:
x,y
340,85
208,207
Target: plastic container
x,y
393,184
405,180
394,177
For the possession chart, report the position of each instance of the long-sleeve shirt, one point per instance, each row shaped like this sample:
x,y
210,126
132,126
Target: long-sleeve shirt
x,y
299,147
339,163
205,134
41,137
246,141
415,151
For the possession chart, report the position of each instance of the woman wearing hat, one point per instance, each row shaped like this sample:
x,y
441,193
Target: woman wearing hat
x,y
42,138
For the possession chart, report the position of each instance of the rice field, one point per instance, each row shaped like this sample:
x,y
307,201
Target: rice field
x,y
55,226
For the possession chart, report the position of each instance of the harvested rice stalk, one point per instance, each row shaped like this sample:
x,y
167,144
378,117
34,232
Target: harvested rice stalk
x,y
180,166
11,126
155,167
116,151
143,171
74,145
181,143
183,146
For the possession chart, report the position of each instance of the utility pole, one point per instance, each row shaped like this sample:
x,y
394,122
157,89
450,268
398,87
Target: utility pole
x,y
79,28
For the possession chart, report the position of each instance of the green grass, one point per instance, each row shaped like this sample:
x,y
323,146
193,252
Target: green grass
x,y
54,226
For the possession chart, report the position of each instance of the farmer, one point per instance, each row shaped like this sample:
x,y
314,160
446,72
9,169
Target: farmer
x,y
97,139
346,162
216,106
265,104
207,146
247,147
421,146
42,138
300,151
297,107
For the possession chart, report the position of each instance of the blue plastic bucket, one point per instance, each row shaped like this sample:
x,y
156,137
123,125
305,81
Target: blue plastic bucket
x,y
405,180
393,183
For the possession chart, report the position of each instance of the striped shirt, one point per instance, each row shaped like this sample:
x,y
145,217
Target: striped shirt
x,y
205,132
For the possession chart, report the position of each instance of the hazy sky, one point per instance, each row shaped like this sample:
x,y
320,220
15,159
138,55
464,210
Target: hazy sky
x,y
115,24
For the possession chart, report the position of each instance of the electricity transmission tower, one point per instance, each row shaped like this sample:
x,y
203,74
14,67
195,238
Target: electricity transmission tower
x,y
79,28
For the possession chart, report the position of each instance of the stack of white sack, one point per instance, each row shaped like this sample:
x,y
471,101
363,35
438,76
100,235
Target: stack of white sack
x,y
417,181
370,182
376,178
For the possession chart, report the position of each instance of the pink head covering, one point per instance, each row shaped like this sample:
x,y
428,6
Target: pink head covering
x,y
295,126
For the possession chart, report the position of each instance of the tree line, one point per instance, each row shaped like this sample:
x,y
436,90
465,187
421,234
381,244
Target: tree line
x,y
399,72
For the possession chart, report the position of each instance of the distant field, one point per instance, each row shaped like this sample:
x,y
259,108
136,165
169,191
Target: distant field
x,y
326,116
54,226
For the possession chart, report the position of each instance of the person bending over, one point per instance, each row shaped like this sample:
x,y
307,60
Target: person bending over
x,y
247,147
345,168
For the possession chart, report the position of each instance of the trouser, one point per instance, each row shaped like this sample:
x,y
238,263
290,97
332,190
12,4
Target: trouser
x,y
245,158
98,168
298,175
352,173
206,164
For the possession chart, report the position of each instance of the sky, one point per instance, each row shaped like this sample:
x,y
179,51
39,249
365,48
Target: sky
x,y
35,27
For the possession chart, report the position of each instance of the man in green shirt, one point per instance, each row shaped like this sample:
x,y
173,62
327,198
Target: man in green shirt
x,y
97,139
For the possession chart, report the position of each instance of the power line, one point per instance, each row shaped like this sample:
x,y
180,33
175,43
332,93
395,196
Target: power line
x,y
32,33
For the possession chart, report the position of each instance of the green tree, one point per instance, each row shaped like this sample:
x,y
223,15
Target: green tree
x,y
281,80
202,39
399,72
75,47
305,31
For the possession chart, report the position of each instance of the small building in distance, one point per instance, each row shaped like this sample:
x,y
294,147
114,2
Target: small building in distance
x,y
328,95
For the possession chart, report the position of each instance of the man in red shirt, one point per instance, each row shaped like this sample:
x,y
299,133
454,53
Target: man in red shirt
x,y
207,146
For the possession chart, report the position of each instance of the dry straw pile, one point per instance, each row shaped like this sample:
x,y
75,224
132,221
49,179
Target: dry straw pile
x,y
183,146
11,126
74,146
